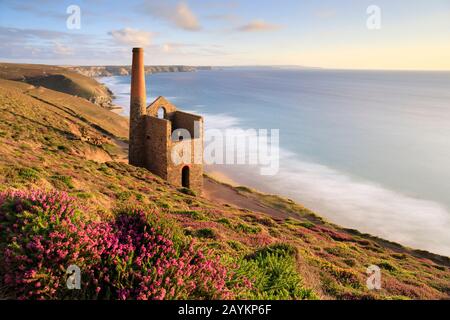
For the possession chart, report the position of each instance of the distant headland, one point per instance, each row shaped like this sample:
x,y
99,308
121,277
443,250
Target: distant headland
x,y
110,71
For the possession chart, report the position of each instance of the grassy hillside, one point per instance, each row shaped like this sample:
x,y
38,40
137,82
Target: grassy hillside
x,y
58,79
53,141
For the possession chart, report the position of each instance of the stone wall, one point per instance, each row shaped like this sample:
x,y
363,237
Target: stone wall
x,y
195,164
187,121
159,144
157,139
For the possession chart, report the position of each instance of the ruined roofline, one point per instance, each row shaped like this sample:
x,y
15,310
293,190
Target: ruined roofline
x,y
191,114
163,101
159,99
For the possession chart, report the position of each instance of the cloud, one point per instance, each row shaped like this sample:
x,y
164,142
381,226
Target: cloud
x,y
185,18
20,34
61,49
179,15
172,47
258,26
36,8
132,37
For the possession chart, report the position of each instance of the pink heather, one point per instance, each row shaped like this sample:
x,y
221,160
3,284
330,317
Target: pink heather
x,y
124,259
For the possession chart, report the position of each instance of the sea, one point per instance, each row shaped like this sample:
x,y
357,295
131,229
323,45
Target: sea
x,y
368,150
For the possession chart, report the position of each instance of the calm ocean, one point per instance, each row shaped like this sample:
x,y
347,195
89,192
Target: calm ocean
x,y
365,149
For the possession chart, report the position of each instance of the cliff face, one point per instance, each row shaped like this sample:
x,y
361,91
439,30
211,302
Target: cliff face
x,y
109,71
78,80
58,79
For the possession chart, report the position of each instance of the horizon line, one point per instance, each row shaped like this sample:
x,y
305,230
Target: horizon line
x,y
239,66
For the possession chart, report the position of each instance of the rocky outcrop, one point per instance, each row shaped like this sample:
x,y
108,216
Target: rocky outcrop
x,y
109,71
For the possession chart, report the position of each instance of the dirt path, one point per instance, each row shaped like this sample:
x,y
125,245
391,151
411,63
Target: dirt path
x,y
223,194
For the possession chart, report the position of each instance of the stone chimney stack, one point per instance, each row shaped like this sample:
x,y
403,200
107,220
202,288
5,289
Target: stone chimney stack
x,y
137,109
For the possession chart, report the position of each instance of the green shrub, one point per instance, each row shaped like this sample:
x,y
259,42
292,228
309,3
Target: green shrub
x,y
207,233
272,272
307,225
188,191
29,174
244,189
105,169
124,195
163,204
350,262
224,221
60,182
235,245
83,195
386,265
246,228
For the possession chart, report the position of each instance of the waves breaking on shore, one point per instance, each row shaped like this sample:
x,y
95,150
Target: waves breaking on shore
x,y
337,196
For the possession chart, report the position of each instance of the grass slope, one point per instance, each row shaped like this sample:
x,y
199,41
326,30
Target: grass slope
x,y
51,140
58,79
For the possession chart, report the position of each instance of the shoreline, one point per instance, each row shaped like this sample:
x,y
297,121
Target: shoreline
x,y
249,199
322,200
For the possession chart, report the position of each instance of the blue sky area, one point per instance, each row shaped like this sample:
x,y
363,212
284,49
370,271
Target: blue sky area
x,y
414,34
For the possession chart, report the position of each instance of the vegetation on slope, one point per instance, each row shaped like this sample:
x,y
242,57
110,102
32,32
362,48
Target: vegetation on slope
x,y
50,142
58,79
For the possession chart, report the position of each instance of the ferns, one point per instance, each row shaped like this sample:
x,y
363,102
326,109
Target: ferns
x,y
272,272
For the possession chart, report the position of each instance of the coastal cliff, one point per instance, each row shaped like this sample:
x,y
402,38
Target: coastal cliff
x,y
109,71
79,80
265,246
59,79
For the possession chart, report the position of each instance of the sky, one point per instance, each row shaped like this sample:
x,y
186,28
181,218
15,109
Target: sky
x,y
343,34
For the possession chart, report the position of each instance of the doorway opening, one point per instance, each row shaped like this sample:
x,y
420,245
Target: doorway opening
x,y
185,177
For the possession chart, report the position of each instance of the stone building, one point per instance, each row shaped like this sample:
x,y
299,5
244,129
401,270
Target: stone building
x,y
164,140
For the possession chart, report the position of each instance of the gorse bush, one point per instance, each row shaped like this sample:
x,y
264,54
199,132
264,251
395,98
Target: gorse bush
x,y
128,258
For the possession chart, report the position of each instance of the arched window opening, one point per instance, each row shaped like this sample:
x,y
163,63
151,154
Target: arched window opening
x,y
185,177
161,113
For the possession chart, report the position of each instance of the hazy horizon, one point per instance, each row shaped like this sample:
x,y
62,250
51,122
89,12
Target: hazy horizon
x,y
233,66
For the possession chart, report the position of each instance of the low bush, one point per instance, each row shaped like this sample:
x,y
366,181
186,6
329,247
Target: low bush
x,y
130,257
207,233
29,174
272,272
62,182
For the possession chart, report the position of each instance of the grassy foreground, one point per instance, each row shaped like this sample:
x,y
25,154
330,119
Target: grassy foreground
x,y
54,141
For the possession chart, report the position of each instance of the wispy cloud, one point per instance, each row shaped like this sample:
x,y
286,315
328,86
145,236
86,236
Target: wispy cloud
x,y
61,49
36,8
132,37
179,15
258,26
